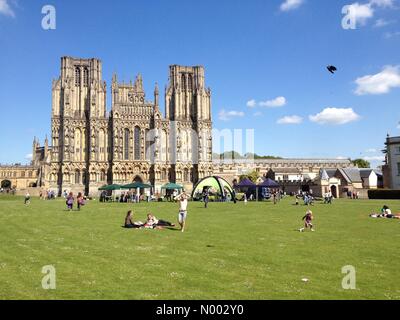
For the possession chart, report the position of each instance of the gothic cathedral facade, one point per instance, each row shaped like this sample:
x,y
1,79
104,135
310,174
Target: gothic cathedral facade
x,y
91,147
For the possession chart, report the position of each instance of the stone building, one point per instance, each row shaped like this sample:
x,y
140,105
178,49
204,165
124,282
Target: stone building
x,y
18,176
391,169
133,142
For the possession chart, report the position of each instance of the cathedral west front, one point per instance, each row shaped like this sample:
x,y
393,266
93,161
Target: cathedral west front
x,y
91,147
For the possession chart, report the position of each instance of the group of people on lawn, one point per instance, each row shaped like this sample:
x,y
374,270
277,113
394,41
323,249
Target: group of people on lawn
x,y
153,223
70,199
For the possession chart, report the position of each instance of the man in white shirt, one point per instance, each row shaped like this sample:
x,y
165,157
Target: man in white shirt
x,y
183,202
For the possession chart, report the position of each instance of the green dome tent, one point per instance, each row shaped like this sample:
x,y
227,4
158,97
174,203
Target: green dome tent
x,y
217,186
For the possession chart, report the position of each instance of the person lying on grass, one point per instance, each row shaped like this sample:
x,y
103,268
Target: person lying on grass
x,y
129,223
385,213
385,216
154,223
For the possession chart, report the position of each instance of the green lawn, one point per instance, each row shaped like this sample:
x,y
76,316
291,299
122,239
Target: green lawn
x,y
228,251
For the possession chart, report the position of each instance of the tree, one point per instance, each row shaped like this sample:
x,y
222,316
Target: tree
x,y
253,176
361,163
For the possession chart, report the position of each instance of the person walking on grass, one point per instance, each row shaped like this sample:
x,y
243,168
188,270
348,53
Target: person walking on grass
x,y
297,200
70,201
80,201
27,198
183,202
205,197
308,218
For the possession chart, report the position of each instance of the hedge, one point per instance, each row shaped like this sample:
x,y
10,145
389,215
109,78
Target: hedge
x,y
384,194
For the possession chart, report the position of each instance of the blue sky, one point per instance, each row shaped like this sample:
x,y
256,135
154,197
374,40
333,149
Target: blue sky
x,y
265,63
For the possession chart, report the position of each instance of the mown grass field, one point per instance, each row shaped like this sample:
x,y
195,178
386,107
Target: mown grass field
x,y
228,251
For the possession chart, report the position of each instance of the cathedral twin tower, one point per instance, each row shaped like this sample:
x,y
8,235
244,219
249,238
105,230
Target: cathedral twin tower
x,y
133,142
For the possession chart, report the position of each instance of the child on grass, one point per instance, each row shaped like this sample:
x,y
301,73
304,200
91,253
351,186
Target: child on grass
x,y
308,218
70,201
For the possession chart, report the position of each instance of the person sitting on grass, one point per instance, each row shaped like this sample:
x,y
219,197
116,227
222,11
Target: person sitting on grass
x,y
308,218
386,210
129,223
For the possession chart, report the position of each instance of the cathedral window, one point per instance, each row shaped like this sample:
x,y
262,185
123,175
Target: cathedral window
x,y
86,77
78,144
186,175
147,144
183,82
101,143
77,177
77,77
126,144
102,175
164,145
137,143
190,82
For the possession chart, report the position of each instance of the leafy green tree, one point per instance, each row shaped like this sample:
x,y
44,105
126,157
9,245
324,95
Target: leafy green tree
x,y
253,176
361,163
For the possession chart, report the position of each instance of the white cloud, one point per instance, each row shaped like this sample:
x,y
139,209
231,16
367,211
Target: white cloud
x,y
275,103
228,115
389,35
290,120
335,116
382,3
291,5
372,150
379,83
257,114
375,158
361,12
341,158
380,23
6,9
251,104
28,156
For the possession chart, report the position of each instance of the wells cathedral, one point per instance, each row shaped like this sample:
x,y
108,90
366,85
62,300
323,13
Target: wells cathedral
x,y
134,141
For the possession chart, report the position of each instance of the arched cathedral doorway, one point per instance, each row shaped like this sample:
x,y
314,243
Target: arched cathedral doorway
x,y
334,191
6,184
